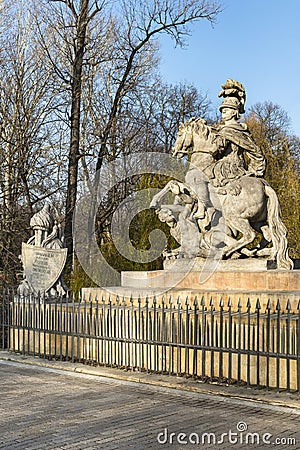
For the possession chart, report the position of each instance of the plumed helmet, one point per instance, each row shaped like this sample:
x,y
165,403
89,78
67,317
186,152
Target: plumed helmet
x,y
230,102
234,89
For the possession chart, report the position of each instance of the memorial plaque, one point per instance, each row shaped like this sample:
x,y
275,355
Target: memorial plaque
x,y
42,266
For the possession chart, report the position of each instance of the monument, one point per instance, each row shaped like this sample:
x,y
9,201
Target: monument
x,y
43,258
224,215
224,203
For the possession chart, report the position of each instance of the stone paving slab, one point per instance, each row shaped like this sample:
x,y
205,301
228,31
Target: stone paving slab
x,y
285,399
49,408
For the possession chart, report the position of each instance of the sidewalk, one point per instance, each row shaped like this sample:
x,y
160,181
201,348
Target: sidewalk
x,y
46,408
238,392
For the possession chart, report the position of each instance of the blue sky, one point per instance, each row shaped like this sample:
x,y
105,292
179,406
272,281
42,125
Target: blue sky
x,y
256,42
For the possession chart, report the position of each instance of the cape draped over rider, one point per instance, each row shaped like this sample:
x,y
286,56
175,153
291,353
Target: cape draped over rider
x,y
234,142
236,153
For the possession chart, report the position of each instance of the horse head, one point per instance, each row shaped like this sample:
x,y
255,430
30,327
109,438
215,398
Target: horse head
x,y
184,139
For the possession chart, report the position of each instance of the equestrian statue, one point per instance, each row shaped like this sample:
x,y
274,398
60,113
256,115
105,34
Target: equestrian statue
x,y
224,203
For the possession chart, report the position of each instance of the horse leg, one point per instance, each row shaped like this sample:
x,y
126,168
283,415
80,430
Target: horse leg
x,y
244,227
169,187
157,197
262,249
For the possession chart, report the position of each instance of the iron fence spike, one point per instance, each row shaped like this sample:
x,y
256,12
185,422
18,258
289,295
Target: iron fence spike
x,y
278,306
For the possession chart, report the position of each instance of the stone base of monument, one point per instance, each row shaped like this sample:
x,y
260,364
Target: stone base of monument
x,y
227,281
218,281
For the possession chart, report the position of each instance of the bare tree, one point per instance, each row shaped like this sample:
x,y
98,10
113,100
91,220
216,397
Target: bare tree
x,y
143,22
131,28
29,170
63,38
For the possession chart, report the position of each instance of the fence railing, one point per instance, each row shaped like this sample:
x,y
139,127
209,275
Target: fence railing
x,y
207,340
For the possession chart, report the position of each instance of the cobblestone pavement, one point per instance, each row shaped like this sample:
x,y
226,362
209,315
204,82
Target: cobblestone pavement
x,y
44,408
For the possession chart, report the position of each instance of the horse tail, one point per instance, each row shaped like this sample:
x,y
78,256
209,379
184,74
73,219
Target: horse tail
x,y
278,230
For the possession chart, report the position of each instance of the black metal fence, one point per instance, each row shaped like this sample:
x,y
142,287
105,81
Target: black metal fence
x,y
211,341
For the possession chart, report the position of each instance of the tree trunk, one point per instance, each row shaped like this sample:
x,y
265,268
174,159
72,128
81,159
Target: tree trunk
x,y
74,153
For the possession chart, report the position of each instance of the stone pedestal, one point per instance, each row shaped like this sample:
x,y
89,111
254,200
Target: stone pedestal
x,y
225,282
233,280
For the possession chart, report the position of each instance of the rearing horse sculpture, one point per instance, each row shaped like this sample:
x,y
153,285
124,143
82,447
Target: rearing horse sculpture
x,y
247,203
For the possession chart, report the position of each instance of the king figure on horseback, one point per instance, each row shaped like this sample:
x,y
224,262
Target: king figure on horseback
x,y
227,198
